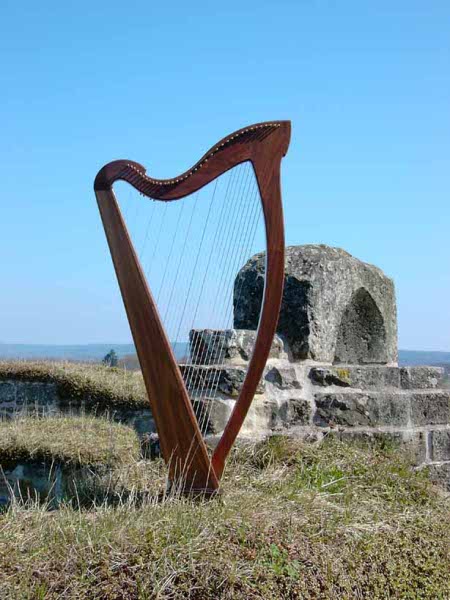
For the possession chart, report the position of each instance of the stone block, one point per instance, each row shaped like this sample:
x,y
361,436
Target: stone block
x,y
260,418
430,408
440,445
357,409
440,474
291,413
297,412
226,379
335,308
283,377
212,413
29,393
7,392
140,419
219,346
48,482
36,396
369,377
421,377
415,443
326,377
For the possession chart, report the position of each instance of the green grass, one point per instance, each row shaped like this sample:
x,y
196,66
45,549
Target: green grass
x,y
326,521
91,384
77,441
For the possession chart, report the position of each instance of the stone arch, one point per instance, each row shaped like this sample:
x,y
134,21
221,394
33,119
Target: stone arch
x,y
361,337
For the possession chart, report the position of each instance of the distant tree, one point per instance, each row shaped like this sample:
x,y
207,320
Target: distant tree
x,y
111,359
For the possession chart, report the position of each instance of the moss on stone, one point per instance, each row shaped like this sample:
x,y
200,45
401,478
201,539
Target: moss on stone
x,y
343,374
67,440
89,384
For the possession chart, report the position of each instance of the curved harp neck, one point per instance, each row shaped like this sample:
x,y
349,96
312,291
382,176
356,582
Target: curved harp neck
x,y
263,141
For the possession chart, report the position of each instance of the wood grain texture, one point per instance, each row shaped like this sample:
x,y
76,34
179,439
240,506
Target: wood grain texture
x,y
182,444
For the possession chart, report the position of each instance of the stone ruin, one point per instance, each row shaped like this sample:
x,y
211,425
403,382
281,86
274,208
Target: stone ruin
x,y
336,309
333,365
332,368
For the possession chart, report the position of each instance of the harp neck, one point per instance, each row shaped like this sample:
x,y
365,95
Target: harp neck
x,y
262,144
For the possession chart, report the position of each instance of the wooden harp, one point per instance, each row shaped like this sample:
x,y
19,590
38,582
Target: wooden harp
x,y
261,146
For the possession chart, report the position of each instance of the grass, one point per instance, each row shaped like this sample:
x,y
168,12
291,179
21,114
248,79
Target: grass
x,y
91,384
77,441
327,521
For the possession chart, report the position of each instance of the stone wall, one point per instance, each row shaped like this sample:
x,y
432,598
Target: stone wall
x,y
49,482
406,405
333,367
43,399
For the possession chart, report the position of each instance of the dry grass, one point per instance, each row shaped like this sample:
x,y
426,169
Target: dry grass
x,y
68,440
326,521
91,384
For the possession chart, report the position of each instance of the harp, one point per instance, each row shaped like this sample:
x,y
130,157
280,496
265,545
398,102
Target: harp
x,y
259,148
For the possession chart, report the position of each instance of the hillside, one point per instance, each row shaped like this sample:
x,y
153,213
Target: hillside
x,y
418,357
74,352
423,357
95,353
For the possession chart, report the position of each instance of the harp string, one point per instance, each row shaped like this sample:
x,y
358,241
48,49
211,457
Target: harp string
x,y
246,240
182,295
216,243
222,231
223,249
180,214
195,266
211,383
136,212
255,220
225,254
180,261
212,236
157,241
190,254
128,206
210,255
147,230
224,291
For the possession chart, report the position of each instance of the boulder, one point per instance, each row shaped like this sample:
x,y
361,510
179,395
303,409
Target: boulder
x,y
335,309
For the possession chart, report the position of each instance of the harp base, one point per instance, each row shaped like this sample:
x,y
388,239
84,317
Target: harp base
x,y
193,493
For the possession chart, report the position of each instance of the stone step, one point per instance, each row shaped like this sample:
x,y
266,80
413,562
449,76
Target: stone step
x,y
440,474
227,379
376,377
218,346
406,408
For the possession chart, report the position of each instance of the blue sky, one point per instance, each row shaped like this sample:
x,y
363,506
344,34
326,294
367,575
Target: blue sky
x,y
366,85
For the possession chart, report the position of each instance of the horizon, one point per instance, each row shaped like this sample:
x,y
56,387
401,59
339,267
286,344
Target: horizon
x,y
114,345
